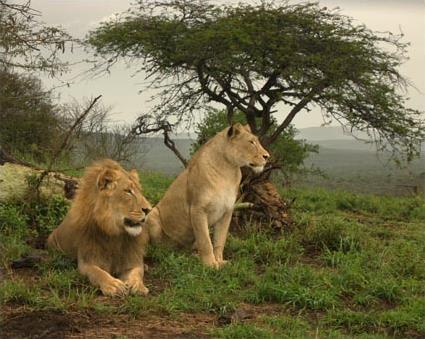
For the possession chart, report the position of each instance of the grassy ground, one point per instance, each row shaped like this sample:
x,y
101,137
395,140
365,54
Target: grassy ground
x,y
352,268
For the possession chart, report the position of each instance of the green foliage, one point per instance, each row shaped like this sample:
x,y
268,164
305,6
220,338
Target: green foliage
x,y
47,214
21,221
213,122
30,124
287,152
250,57
13,233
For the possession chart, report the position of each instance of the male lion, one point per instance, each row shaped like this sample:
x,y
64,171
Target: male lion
x,y
204,193
103,229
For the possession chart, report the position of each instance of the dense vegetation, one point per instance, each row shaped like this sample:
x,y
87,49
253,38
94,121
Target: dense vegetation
x,y
30,124
353,266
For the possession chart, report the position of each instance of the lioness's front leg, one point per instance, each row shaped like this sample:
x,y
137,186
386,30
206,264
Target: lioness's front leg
x,y
134,280
102,279
153,225
199,223
221,229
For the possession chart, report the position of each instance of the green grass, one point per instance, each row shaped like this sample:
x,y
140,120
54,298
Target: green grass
x,y
353,267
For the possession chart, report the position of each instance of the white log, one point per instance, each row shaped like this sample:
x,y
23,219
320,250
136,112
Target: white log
x,y
14,182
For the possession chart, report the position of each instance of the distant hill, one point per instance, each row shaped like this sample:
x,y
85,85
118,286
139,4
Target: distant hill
x,y
328,133
156,156
347,163
337,138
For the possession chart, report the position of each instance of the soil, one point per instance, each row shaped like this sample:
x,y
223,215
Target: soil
x,y
21,323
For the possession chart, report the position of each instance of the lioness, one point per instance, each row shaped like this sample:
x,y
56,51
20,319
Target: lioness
x,y
103,229
204,193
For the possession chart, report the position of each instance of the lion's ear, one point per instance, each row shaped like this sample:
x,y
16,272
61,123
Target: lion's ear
x,y
247,128
105,179
133,173
234,130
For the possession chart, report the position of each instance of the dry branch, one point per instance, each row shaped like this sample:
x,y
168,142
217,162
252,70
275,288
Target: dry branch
x,y
65,141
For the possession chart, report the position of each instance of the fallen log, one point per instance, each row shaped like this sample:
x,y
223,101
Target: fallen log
x,y
16,178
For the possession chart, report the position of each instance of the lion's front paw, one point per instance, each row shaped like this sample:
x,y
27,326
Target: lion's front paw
x,y
114,287
210,261
222,262
137,287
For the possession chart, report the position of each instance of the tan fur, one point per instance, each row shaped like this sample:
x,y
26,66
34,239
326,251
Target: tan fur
x,y
204,193
103,229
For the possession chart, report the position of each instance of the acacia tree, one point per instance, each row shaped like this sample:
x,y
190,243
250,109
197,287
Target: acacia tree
x,y
28,44
251,57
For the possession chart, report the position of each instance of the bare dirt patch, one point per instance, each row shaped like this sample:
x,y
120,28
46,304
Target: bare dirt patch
x,y
21,323
37,325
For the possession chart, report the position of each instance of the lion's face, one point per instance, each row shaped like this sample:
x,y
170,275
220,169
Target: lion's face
x,y
122,197
245,148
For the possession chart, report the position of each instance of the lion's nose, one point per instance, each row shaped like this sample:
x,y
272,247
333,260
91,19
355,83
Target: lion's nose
x,y
146,210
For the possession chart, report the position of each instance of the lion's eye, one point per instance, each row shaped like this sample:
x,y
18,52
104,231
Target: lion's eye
x,y
252,142
128,191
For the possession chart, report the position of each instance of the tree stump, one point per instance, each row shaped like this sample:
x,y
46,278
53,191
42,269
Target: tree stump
x,y
265,205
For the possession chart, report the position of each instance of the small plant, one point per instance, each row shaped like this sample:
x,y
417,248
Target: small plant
x,y
47,213
13,233
17,292
242,331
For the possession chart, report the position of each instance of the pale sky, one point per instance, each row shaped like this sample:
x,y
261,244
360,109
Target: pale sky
x,y
120,90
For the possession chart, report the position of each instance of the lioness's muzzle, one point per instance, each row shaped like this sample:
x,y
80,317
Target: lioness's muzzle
x,y
133,223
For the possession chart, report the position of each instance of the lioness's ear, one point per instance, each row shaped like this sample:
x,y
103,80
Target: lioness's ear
x,y
133,173
234,130
105,179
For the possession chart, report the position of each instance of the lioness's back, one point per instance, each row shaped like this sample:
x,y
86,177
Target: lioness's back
x,y
173,211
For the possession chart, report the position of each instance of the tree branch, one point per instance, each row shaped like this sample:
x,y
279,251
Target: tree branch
x,y
172,146
298,107
65,141
144,127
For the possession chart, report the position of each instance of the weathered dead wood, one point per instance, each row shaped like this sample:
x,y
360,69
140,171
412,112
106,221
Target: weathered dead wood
x,y
16,175
260,202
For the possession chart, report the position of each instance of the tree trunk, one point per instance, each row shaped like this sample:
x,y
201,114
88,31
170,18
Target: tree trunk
x,y
16,178
265,204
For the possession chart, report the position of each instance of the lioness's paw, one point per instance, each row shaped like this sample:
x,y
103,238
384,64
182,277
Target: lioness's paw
x,y
210,261
137,287
114,287
222,262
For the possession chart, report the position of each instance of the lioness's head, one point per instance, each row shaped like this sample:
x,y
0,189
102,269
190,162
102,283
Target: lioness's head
x,y
115,196
245,149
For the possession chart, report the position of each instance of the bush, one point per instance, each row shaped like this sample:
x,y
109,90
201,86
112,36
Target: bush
x,y
286,151
13,233
29,126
